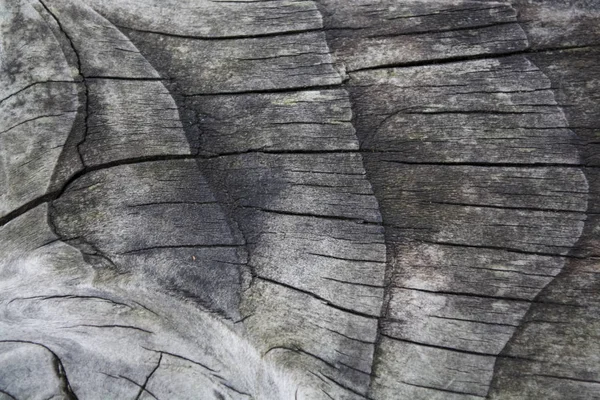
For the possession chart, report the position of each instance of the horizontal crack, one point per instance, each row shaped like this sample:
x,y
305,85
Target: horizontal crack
x,y
34,84
542,209
311,215
69,297
268,91
109,326
478,164
484,296
345,259
453,60
503,248
223,38
183,246
353,283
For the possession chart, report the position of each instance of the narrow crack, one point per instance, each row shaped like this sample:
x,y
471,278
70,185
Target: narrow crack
x,y
353,283
59,368
446,348
130,381
478,164
110,326
345,259
31,85
311,215
143,387
161,352
4,392
345,387
223,38
69,297
457,59
473,321
48,197
301,351
290,90
484,296
83,80
418,33
317,297
503,207
503,248
183,246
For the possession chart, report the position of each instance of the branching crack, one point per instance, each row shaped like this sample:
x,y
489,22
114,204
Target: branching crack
x,y
143,387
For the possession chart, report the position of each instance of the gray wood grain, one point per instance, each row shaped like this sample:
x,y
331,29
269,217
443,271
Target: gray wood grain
x,y
299,199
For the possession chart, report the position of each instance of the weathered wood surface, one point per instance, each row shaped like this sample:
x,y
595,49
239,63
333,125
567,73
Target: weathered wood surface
x,y
299,199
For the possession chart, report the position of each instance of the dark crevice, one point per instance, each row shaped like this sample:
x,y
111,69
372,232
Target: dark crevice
x,y
28,206
453,60
128,78
143,387
125,161
346,336
36,118
59,369
233,389
449,30
327,394
477,164
345,387
503,248
353,283
310,215
4,392
158,203
182,358
511,271
109,326
33,84
477,112
360,371
69,297
290,90
223,38
184,246
484,296
455,350
300,351
315,296
542,209
267,151
566,378
345,259
88,256
473,321
130,381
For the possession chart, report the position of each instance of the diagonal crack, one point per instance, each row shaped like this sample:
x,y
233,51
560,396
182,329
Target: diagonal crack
x,y
143,387
59,368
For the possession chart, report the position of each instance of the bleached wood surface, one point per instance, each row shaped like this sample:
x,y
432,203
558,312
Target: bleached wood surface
x,y
331,199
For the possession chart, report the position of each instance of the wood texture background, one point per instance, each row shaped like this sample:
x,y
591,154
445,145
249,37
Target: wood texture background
x,y
298,199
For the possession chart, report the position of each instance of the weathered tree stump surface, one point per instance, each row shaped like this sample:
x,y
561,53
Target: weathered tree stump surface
x,y
297,199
